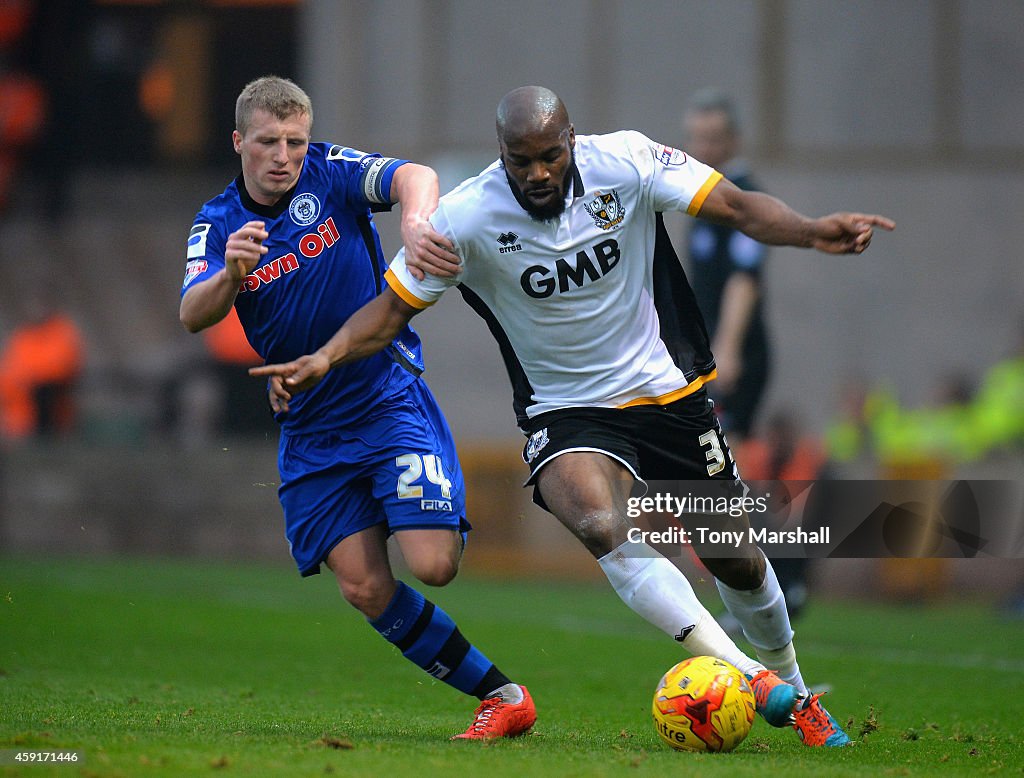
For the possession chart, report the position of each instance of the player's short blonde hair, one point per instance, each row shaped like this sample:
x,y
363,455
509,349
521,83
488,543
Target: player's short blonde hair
x,y
277,96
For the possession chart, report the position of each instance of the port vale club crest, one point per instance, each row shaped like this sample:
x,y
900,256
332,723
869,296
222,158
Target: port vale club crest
x,y
606,210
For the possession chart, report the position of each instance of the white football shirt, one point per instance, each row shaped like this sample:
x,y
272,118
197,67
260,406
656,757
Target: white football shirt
x,y
575,302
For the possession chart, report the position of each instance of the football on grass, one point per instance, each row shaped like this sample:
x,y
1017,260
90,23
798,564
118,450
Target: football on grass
x,y
703,704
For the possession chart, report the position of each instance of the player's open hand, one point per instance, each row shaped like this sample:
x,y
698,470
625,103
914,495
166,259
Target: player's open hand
x,y
427,250
847,233
244,250
296,376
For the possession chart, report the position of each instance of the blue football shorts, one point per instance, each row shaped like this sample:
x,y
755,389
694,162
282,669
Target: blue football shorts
x,y
397,466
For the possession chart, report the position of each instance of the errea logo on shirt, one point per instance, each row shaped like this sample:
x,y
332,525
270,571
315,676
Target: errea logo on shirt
x,y
344,152
197,241
508,241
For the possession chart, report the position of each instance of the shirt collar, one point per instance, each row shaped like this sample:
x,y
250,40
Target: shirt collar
x,y
266,211
578,190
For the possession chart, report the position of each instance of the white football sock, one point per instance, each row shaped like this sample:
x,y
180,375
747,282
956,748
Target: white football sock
x,y
510,693
762,614
658,591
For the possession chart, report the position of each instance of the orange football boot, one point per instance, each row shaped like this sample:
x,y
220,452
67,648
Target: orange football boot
x,y
497,718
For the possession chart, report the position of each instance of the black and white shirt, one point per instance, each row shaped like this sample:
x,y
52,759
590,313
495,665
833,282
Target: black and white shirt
x,y
592,308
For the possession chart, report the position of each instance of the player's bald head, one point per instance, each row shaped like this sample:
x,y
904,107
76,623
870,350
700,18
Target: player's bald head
x,y
530,111
536,143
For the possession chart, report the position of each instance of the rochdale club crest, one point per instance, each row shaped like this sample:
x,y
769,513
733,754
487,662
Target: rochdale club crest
x,y
304,209
606,210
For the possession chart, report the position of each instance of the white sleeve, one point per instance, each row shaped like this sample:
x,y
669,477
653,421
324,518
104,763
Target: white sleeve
x,y
674,180
422,294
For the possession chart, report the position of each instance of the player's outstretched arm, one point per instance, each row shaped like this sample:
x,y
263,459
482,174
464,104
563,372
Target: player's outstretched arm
x,y
209,301
416,188
367,331
769,220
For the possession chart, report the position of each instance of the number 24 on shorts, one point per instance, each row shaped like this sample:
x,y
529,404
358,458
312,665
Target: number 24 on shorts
x,y
417,465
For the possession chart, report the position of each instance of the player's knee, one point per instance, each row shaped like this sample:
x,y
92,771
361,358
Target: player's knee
x,y
601,531
437,571
368,596
743,573
433,557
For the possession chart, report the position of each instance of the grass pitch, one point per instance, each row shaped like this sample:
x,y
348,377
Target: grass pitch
x,y
184,668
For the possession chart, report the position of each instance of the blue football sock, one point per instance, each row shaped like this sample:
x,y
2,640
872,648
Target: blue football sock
x,y
426,635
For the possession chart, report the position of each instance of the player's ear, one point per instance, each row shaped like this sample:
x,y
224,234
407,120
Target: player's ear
x,y
572,137
236,141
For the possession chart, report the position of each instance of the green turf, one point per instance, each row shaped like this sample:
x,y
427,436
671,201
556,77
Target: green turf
x,y
186,668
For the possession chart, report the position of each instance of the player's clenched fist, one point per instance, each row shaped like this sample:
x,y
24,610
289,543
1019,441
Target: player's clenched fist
x,y
244,250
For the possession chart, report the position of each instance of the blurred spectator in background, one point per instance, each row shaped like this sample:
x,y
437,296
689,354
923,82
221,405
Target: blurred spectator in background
x,y
22,95
998,407
846,433
726,268
961,424
39,367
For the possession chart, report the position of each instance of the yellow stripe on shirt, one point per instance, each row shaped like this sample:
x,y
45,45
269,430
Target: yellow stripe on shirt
x,y
702,194
671,397
405,294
